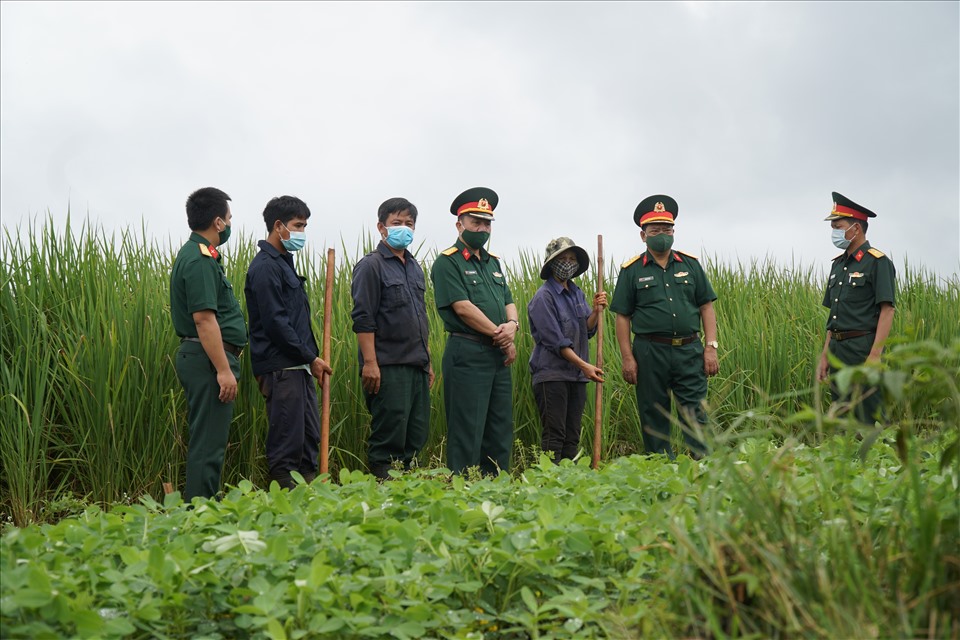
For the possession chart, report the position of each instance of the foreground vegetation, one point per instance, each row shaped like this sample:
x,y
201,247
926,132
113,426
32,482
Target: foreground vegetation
x,y
91,407
759,540
800,523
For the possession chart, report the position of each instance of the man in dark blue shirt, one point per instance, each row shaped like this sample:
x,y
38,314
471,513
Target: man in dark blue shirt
x,y
283,349
390,320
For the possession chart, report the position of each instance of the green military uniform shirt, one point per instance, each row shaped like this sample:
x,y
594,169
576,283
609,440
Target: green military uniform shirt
x,y
662,301
198,283
461,273
857,285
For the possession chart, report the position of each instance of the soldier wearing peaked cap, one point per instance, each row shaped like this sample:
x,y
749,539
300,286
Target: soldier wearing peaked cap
x,y
861,296
478,313
663,297
208,320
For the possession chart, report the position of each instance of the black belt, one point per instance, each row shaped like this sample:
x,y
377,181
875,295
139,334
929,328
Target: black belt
x,y
673,342
473,337
846,335
229,348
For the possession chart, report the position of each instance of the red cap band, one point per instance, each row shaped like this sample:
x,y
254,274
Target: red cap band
x,y
847,211
656,216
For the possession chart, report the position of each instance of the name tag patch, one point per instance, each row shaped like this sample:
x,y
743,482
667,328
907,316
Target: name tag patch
x,y
470,272
646,279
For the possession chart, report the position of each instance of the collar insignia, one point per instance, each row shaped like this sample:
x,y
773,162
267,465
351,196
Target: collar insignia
x,y
466,254
858,256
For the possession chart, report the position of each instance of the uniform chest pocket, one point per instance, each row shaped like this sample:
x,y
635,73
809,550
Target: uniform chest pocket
x,y
394,292
227,298
859,285
648,288
292,281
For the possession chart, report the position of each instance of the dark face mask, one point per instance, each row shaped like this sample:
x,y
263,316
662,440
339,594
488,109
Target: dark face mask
x,y
660,243
475,239
225,234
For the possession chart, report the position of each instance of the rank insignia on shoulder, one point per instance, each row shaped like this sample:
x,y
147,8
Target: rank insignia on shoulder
x,y
493,255
689,255
449,252
876,253
209,251
630,261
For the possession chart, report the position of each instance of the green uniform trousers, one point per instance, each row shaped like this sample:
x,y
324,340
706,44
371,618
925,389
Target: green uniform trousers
x,y
209,418
400,417
662,368
478,395
869,399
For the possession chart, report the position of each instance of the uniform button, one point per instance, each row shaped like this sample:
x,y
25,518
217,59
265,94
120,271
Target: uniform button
x,y
844,268
836,299
674,315
668,285
670,299
834,317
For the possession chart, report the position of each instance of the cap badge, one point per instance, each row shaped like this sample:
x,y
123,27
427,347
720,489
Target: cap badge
x,y
483,204
658,208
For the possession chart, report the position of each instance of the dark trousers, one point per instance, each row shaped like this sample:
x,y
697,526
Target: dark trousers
x,y
400,414
293,440
209,419
662,368
478,396
561,411
866,400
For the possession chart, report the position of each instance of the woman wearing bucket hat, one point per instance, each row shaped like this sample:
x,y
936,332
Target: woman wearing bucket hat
x,y
561,323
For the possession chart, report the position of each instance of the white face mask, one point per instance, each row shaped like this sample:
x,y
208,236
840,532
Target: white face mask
x,y
839,238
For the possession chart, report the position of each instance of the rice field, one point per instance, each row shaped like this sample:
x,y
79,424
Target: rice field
x,y
91,406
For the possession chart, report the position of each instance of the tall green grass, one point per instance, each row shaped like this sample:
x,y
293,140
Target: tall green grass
x,y
90,402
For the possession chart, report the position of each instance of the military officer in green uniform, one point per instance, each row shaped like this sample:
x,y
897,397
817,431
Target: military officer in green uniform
x,y
663,297
861,295
207,318
481,320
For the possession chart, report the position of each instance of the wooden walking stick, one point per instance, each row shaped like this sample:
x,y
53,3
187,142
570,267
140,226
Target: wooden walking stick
x,y
325,393
598,401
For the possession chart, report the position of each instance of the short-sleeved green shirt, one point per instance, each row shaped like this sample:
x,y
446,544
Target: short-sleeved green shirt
x,y
198,283
461,273
662,301
857,285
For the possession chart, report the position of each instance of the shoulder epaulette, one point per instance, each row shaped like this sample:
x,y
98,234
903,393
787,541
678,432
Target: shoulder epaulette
x,y
689,255
876,253
630,261
493,255
839,256
204,250
449,252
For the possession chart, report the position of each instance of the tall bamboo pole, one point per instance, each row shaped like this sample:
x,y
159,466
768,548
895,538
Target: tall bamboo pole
x,y
325,393
598,401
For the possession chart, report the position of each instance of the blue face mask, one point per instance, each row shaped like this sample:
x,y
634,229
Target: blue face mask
x,y
399,237
839,238
296,240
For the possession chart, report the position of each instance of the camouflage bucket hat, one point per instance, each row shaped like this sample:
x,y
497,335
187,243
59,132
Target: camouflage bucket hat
x,y
557,246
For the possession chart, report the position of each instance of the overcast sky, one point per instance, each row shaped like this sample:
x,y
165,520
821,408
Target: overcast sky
x,y
748,114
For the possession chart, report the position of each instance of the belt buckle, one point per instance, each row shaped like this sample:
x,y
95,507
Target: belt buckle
x,y
676,342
